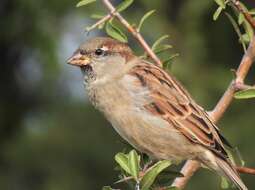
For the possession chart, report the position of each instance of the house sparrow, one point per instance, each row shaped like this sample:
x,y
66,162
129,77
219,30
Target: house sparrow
x,y
149,108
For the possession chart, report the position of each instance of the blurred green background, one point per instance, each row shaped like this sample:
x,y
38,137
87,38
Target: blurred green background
x,y
51,138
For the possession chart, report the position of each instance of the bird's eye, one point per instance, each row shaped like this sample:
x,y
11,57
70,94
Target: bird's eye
x,y
99,52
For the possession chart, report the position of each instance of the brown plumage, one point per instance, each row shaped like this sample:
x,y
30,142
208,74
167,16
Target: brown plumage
x,y
149,108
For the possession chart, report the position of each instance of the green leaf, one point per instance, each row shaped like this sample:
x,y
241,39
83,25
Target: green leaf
x,y
122,160
224,183
145,16
84,2
166,63
246,38
97,16
125,4
248,29
158,41
241,18
162,48
152,173
245,94
237,30
115,32
106,188
221,3
133,163
217,13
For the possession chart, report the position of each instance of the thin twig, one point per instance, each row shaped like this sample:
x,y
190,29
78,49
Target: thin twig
x,y
190,167
241,73
246,170
134,32
246,14
101,21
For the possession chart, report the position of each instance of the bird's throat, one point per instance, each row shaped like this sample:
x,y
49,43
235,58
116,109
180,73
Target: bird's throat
x,y
88,73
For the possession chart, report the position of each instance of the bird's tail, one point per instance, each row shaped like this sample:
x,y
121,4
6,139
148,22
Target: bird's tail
x,y
230,172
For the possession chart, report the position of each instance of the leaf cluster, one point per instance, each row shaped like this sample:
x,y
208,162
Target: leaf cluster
x,y
134,170
114,30
243,29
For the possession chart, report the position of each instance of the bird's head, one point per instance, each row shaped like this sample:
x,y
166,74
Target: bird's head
x,y
101,55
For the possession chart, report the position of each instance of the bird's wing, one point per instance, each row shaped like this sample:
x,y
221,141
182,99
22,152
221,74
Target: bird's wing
x,y
174,104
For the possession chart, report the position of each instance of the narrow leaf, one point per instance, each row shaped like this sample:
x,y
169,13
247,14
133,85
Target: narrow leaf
x,y
158,41
162,48
237,30
167,63
145,16
84,2
217,13
97,16
152,173
241,18
115,32
221,3
224,183
246,38
245,94
122,160
248,29
133,163
125,4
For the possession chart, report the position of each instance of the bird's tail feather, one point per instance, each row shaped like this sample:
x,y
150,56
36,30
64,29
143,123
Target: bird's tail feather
x,y
230,172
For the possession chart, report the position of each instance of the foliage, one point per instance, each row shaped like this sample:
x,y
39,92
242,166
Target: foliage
x,y
130,163
114,31
245,94
84,2
245,37
143,177
52,138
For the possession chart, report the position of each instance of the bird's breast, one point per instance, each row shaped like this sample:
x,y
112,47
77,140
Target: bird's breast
x,y
146,132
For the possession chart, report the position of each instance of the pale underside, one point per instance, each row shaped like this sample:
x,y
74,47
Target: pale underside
x,y
158,118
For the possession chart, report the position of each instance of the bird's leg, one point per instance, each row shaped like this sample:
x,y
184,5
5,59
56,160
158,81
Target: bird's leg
x,y
137,186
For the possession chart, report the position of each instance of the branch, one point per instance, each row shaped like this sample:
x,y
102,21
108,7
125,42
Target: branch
x,y
188,170
246,14
101,21
246,170
191,167
132,30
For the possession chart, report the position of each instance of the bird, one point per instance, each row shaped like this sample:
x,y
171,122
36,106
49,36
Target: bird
x,y
149,108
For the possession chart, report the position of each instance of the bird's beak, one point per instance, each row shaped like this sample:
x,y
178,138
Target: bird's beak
x,y
78,60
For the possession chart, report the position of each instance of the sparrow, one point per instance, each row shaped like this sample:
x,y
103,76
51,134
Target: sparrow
x,y
149,108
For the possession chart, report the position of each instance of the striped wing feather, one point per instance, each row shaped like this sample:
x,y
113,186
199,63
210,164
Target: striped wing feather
x,y
173,103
